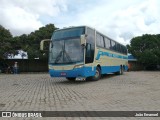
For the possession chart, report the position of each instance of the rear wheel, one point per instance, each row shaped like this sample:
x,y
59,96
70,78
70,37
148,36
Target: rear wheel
x,y
97,75
71,78
120,72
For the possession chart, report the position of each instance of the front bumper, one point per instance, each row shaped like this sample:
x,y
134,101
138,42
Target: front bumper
x,y
77,72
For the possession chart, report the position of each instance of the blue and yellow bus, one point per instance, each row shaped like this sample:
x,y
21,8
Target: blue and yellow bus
x,y
77,53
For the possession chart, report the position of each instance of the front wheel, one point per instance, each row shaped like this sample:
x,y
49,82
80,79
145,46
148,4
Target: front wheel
x,y
97,75
71,78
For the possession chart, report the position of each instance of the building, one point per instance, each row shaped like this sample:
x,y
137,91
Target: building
x,y
133,64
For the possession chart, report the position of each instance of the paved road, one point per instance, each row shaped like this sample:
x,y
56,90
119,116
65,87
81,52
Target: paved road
x,y
133,91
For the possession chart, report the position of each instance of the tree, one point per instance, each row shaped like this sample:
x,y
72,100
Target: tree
x,y
29,43
6,41
32,43
146,49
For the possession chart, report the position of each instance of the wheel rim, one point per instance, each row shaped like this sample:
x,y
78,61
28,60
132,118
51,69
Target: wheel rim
x,y
97,74
121,71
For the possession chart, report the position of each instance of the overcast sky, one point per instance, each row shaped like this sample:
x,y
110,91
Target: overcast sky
x,y
119,19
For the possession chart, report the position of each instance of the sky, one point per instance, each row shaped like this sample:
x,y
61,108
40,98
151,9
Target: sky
x,y
120,20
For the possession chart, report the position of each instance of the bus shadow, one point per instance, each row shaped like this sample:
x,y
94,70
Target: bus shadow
x,y
87,81
106,76
103,77
66,82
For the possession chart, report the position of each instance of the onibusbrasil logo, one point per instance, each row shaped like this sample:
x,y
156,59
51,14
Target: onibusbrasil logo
x,y
21,114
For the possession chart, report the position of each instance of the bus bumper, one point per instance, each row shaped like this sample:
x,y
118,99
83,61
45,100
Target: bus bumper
x,y
77,72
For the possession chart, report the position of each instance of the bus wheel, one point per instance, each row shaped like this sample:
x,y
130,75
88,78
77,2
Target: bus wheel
x,y
71,78
120,72
97,75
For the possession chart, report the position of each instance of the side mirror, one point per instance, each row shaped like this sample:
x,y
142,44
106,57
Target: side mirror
x,y
83,39
42,43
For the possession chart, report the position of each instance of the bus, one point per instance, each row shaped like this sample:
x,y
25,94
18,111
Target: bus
x,y
81,52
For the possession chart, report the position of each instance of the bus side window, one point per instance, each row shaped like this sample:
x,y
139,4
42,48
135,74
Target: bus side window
x,y
113,45
88,50
107,43
99,40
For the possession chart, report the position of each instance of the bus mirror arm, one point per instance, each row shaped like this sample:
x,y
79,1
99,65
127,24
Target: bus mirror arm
x,y
42,43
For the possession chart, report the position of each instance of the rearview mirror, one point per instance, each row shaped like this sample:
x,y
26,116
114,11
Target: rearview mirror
x,y
83,39
42,43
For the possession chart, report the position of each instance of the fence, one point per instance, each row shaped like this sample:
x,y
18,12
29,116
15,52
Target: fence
x,y
26,65
135,66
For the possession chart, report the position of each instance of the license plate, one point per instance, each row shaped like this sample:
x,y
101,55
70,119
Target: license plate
x,y
63,74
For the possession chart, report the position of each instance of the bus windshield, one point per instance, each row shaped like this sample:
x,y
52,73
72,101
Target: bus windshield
x,y
66,51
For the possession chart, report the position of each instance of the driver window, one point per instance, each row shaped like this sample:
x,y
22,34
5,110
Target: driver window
x,y
88,50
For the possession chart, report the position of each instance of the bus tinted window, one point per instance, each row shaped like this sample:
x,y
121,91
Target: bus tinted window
x,y
90,45
113,45
118,47
123,50
107,43
68,33
100,41
90,36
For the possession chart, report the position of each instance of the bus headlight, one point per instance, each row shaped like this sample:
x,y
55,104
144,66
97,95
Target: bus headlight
x,y
78,66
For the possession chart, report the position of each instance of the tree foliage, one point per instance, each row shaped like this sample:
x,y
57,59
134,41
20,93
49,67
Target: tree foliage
x,y
146,49
6,41
29,43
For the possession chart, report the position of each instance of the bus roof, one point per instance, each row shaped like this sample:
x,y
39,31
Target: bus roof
x,y
70,27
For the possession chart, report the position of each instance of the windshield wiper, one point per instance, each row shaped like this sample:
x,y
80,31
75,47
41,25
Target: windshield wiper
x,y
58,57
67,56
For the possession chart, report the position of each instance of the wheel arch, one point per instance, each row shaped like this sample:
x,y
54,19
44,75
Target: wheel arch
x,y
99,66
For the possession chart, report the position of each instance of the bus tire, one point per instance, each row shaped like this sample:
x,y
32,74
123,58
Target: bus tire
x,y
97,75
120,72
71,78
